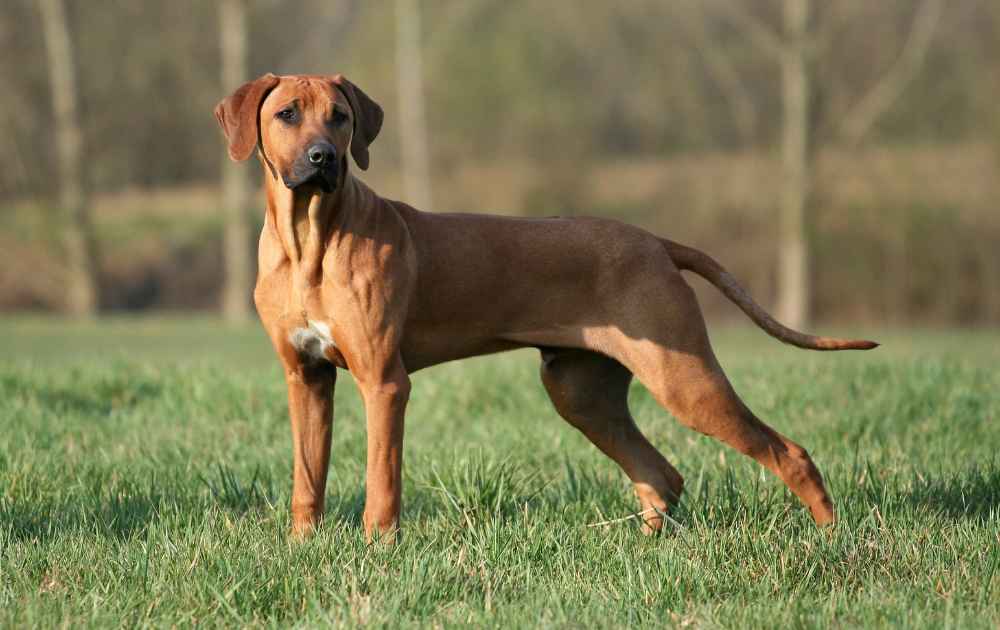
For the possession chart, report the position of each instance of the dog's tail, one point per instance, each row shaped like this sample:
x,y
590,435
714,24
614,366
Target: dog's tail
x,y
690,259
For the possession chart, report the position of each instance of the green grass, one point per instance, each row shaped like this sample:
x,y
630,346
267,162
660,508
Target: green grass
x,y
145,480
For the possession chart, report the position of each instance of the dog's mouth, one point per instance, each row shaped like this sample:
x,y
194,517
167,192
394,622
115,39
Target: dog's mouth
x,y
322,179
325,181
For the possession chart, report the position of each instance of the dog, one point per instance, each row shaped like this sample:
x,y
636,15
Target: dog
x,y
348,279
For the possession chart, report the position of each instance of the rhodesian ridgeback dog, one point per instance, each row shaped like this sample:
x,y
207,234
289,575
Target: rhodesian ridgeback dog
x,y
347,279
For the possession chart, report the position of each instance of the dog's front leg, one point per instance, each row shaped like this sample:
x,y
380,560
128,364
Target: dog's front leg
x,y
385,392
310,404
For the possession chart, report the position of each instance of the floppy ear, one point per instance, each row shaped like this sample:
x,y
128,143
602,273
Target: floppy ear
x,y
367,119
238,114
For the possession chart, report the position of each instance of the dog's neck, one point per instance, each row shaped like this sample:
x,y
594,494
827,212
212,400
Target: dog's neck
x,y
306,221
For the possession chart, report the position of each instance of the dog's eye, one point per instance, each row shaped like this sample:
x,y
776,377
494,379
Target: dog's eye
x,y
339,117
288,114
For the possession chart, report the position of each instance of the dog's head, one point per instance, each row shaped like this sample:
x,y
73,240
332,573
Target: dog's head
x,y
303,126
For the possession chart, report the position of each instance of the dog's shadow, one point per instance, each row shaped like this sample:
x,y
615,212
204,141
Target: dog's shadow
x,y
346,509
972,494
123,509
41,521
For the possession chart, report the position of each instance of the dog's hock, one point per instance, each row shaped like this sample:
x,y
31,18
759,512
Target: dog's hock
x,y
313,341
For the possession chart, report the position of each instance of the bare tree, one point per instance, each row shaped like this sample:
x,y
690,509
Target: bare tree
x,y
78,236
235,189
413,122
792,50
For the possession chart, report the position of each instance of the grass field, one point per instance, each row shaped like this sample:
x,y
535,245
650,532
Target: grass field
x,y
145,479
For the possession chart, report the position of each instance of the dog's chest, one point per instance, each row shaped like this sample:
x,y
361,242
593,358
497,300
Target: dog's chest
x,y
314,341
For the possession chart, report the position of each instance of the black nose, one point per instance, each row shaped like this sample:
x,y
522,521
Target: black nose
x,y
321,154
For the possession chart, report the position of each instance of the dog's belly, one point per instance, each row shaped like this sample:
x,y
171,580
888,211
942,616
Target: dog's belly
x,y
422,348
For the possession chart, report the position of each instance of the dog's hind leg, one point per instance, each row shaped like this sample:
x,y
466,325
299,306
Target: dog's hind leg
x,y
590,391
666,346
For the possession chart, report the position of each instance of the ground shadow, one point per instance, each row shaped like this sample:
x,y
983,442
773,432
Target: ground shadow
x,y
346,509
120,519
970,494
100,399
124,510
122,514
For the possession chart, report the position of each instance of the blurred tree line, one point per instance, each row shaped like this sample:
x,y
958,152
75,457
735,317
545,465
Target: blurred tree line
x,y
841,157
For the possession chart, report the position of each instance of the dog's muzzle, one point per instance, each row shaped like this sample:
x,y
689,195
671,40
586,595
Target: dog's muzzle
x,y
317,167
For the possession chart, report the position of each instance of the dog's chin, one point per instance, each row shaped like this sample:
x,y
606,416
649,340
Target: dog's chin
x,y
317,181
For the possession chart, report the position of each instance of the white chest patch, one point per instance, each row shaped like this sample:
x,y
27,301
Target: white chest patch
x,y
312,341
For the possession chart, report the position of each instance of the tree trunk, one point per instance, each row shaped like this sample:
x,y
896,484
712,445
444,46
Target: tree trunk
x,y
78,235
793,259
235,193
413,123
